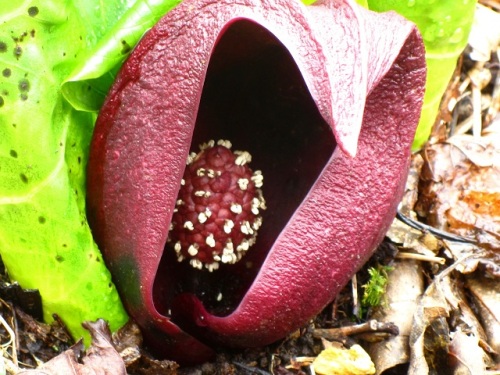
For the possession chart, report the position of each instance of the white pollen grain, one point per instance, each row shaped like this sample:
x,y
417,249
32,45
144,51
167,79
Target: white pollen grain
x,y
245,245
202,193
192,250
206,145
262,202
243,183
190,158
177,246
202,217
252,241
226,258
196,263
225,142
249,227
257,223
212,266
244,229
229,247
258,179
255,206
189,225
228,225
210,241
242,158
236,208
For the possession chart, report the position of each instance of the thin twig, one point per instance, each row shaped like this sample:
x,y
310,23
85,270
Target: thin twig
x,y
424,258
356,308
12,340
7,365
371,326
439,277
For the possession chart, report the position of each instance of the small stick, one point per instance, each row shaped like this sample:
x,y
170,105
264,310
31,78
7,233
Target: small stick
x,y
425,258
370,326
356,310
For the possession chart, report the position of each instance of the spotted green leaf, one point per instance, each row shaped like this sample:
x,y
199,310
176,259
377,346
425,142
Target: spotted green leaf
x,y
45,240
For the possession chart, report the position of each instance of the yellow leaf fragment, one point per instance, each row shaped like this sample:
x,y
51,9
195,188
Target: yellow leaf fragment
x,y
342,361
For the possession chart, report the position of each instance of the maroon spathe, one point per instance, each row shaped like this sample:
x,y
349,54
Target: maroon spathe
x,y
356,77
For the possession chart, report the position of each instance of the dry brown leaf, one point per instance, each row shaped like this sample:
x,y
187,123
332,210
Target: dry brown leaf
x,y
450,179
471,257
101,358
405,287
431,312
463,320
466,355
485,294
460,193
485,33
127,336
482,152
441,313
410,195
151,366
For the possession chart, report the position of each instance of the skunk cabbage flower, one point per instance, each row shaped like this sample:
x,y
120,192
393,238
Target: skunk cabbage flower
x,y
325,99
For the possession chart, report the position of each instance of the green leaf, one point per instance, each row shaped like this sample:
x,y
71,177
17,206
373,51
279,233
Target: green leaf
x,y
445,27
45,240
88,83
